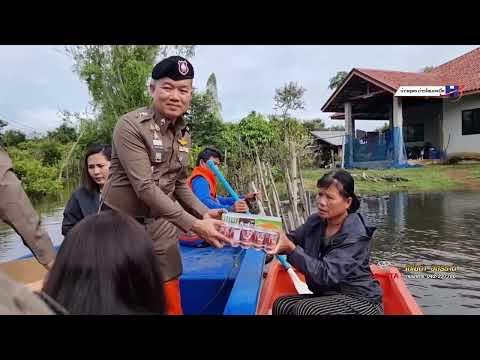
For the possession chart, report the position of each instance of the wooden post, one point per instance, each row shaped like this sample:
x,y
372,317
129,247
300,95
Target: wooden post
x,y
349,130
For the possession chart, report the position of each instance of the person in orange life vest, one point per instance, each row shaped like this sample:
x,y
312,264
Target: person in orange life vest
x,y
202,183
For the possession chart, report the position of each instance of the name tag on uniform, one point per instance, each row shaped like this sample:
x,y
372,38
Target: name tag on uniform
x,y
158,156
183,149
157,142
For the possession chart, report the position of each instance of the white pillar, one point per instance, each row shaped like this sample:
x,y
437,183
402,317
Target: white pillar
x,y
349,131
397,129
397,112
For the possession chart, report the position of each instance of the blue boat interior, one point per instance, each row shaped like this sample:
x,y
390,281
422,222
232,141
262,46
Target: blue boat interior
x,y
221,281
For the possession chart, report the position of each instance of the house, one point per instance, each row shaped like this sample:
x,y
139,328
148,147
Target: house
x,y
327,146
448,126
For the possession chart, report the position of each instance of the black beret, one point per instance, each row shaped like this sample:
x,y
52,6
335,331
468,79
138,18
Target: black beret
x,y
173,67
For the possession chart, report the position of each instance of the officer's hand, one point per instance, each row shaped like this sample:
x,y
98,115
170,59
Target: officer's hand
x,y
284,245
207,229
214,214
253,196
240,206
49,266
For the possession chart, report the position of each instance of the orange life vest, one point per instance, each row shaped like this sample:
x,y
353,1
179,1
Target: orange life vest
x,y
208,175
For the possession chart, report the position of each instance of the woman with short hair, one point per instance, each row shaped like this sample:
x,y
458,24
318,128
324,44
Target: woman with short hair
x,y
332,250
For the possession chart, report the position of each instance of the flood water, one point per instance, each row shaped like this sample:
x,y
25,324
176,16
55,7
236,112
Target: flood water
x,y
412,229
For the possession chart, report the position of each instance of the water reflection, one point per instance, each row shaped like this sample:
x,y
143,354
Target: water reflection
x,y
433,228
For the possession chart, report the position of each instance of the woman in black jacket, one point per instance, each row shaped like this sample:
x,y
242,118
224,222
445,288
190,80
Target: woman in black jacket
x,y
85,199
332,249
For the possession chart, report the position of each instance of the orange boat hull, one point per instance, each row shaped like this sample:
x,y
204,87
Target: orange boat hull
x,y
397,299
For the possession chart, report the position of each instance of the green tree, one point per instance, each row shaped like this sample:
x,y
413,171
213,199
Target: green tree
x,y
117,78
336,128
2,125
337,80
13,137
314,125
289,98
65,133
256,132
205,126
427,69
213,92
383,128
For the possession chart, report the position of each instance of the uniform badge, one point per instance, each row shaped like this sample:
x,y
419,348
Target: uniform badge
x,y
183,67
183,141
183,149
157,142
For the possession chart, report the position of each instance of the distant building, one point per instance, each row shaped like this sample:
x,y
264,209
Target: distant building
x,y
328,147
442,126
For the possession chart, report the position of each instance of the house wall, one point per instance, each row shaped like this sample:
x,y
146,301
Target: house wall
x,y
452,125
430,114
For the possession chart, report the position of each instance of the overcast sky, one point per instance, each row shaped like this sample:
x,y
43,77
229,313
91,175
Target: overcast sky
x,y
37,81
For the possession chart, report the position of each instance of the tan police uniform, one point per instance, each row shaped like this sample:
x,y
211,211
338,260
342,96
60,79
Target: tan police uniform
x,y
16,299
148,181
17,211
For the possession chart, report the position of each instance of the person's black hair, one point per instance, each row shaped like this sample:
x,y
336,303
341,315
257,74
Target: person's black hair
x,y
106,265
87,181
207,153
345,185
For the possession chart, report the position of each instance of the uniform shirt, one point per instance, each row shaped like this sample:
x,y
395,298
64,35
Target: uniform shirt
x,y
149,169
17,211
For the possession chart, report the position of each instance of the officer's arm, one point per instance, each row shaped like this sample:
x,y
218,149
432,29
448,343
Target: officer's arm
x,y
17,211
133,156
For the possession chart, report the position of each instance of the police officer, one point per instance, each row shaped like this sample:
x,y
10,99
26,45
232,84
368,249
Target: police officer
x,y
17,211
150,151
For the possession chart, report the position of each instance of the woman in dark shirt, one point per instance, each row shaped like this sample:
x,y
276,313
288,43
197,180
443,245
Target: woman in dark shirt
x,y
332,249
84,201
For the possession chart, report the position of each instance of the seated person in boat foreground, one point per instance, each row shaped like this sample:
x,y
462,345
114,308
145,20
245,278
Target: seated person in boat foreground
x,y
85,200
106,265
202,182
332,249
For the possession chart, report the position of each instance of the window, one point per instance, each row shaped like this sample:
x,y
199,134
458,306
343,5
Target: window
x,y
471,122
413,133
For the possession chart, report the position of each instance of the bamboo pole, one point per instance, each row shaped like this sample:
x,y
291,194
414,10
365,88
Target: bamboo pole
x,y
262,181
291,196
302,193
276,198
259,202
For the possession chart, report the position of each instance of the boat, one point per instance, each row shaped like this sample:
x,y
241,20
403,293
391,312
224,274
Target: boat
x,y
397,299
233,281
